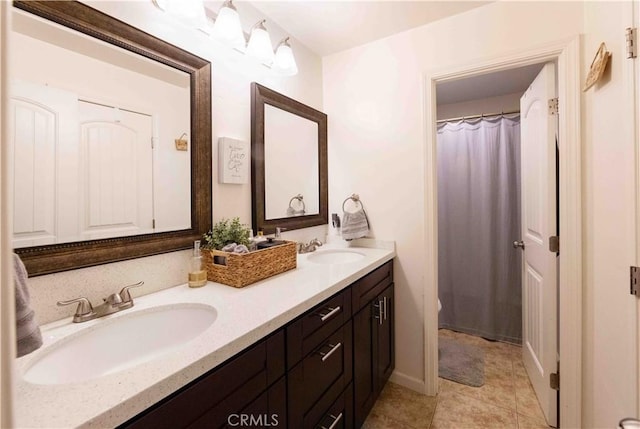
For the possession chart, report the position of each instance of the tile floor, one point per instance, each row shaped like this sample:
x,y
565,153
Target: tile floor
x,y
506,400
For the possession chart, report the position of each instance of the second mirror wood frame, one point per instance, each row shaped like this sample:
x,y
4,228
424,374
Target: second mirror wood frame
x,y
261,95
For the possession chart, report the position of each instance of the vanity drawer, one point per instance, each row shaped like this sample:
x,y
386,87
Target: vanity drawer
x,y
329,367
267,410
227,389
327,414
368,287
311,329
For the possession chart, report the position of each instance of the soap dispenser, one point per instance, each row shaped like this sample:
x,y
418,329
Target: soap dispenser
x,y
197,273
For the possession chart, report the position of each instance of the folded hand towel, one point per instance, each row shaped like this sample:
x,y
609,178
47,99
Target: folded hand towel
x,y
28,334
355,225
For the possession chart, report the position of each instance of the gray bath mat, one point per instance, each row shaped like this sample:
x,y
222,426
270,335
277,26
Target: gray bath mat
x,y
462,363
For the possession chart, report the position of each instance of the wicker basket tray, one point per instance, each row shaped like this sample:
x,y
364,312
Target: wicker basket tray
x,y
240,270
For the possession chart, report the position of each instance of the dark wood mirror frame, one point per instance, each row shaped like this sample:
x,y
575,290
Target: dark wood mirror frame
x,y
67,256
260,96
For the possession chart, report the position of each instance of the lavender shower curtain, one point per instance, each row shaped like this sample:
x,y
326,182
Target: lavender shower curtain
x,y
479,273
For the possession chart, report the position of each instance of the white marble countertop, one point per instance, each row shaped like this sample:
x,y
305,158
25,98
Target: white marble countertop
x,y
244,316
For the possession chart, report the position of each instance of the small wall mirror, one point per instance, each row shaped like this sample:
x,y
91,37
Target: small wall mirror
x,y
112,139
288,162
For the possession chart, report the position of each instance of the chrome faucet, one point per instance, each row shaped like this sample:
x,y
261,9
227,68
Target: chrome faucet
x,y
311,247
278,232
112,304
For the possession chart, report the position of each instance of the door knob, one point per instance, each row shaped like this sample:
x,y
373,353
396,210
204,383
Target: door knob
x,y
519,244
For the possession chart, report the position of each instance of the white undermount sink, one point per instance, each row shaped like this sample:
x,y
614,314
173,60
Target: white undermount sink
x,y
120,343
335,256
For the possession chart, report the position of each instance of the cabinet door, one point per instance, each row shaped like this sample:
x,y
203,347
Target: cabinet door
x,y
386,349
373,352
365,361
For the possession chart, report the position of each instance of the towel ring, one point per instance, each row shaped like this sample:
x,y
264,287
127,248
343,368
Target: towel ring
x,y
292,211
355,198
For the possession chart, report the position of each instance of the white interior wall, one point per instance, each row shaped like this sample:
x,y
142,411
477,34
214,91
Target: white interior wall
x,y
232,74
497,104
372,95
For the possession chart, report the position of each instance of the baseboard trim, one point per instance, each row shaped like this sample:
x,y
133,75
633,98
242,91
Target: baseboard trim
x,y
407,381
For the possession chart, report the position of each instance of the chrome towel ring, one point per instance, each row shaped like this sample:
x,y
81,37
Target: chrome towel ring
x,y
296,212
355,198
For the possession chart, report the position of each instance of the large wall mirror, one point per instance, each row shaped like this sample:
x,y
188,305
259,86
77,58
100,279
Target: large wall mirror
x,y
111,137
288,162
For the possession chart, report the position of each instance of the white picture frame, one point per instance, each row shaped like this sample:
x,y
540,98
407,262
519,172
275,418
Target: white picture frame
x,y
233,161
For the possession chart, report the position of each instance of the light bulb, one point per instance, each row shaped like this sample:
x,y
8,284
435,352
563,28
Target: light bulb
x,y
259,45
227,27
285,62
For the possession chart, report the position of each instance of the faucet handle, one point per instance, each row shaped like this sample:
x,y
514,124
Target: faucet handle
x,y
279,230
84,306
124,293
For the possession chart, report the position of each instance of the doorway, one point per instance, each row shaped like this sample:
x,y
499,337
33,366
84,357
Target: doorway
x,y
565,53
496,211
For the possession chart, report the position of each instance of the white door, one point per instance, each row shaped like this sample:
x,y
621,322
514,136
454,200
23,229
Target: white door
x,y
45,175
117,186
539,275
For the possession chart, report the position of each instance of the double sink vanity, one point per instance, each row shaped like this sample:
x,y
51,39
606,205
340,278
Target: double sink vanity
x,y
308,348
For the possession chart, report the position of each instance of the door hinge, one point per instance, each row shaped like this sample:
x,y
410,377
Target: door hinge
x,y
553,106
634,279
630,36
554,380
153,223
554,244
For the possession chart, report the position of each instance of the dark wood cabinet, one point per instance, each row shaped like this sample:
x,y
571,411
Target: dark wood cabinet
x,y
325,370
211,400
373,351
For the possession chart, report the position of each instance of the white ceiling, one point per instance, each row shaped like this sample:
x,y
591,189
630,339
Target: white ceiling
x,y
488,85
327,27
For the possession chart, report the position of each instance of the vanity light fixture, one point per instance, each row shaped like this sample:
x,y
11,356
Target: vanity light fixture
x,y
285,62
227,26
259,45
228,29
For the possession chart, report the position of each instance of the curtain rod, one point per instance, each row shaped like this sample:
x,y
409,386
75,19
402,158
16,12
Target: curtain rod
x,y
483,115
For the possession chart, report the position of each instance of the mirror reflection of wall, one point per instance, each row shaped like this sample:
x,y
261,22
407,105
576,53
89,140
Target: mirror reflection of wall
x,y
94,138
290,164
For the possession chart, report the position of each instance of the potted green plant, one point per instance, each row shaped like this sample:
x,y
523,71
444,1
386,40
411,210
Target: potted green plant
x,y
226,232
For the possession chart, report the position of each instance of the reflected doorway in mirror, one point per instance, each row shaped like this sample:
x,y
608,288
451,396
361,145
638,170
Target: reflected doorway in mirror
x,y
233,161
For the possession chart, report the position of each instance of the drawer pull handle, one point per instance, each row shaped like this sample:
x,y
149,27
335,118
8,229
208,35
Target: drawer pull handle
x,y
380,312
326,355
385,307
331,313
336,419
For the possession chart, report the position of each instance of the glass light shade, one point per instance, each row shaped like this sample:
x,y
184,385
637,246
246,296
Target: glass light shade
x,y
260,46
285,62
188,10
227,27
